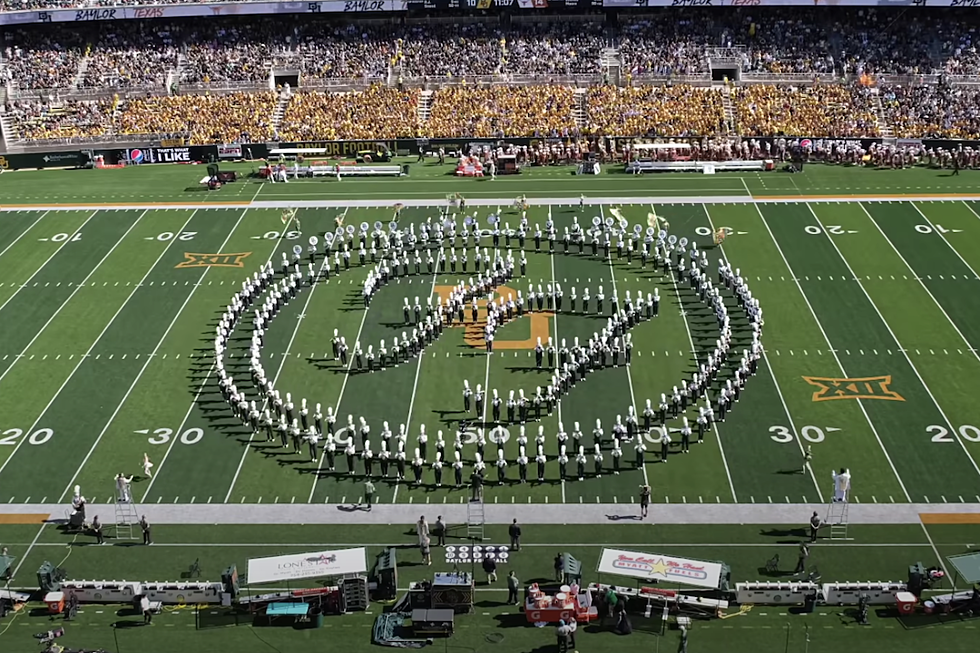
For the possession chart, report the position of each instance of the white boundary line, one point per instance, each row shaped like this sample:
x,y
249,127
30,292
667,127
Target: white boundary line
x,y
606,200
82,358
554,320
177,432
629,374
78,287
149,359
282,364
953,430
340,397
694,351
772,374
24,233
53,254
830,347
415,387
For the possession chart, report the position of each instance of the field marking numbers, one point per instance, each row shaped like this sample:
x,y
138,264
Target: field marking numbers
x,y
73,293
91,347
48,260
150,358
928,390
941,433
810,433
282,364
772,375
207,377
162,435
830,345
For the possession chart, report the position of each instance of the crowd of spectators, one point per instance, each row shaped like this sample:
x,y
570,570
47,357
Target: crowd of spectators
x,y
69,119
655,110
40,59
496,111
826,110
932,111
379,112
131,54
236,117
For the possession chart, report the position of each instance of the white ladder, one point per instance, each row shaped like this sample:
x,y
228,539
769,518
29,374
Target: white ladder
x,y
127,518
837,519
475,521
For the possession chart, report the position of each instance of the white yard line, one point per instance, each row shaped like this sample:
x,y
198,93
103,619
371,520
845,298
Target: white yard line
x,y
415,387
282,364
629,374
53,254
24,233
779,392
860,284
204,382
833,351
78,287
694,351
554,321
149,359
970,346
81,359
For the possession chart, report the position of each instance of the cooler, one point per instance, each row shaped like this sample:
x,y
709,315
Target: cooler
x,y
906,602
55,602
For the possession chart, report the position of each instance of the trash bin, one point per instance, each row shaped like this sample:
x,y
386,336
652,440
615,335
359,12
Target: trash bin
x,y
316,618
809,603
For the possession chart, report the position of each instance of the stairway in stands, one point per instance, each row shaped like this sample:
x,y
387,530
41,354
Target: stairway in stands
x,y
580,110
425,106
729,108
881,120
280,111
82,67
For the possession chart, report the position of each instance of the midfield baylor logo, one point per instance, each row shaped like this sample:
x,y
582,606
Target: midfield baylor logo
x,y
870,387
540,326
192,260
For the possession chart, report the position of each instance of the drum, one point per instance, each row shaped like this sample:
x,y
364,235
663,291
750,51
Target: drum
x,y
929,607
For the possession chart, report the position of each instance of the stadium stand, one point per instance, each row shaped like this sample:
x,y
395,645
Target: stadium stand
x,y
801,71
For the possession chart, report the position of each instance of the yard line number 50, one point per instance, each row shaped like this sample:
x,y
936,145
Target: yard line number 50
x,y
940,433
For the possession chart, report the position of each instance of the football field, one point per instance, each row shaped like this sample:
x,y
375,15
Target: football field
x,y
109,299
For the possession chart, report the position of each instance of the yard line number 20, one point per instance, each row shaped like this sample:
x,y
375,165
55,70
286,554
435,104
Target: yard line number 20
x,y
10,437
940,433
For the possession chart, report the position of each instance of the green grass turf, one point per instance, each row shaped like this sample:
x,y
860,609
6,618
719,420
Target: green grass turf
x,y
92,377
106,341
876,552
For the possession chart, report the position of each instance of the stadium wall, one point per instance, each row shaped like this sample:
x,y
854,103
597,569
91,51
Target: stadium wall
x,y
339,149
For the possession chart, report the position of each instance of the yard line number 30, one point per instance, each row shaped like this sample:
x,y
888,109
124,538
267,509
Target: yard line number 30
x,y
163,436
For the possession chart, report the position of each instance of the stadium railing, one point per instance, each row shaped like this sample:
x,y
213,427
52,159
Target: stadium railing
x,y
512,80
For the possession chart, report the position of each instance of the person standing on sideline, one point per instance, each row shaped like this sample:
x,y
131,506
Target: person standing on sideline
x,y
803,557
97,531
422,529
145,527
807,457
515,536
439,530
512,587
368,494
145,608
815,524
644,501
490,567
559,568
424,549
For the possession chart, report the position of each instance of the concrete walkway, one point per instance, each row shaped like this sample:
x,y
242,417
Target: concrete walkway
x,y
717,513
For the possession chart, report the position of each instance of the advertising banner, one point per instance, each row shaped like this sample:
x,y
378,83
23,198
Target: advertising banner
x,y
307,565
192,10
230,151
656,566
